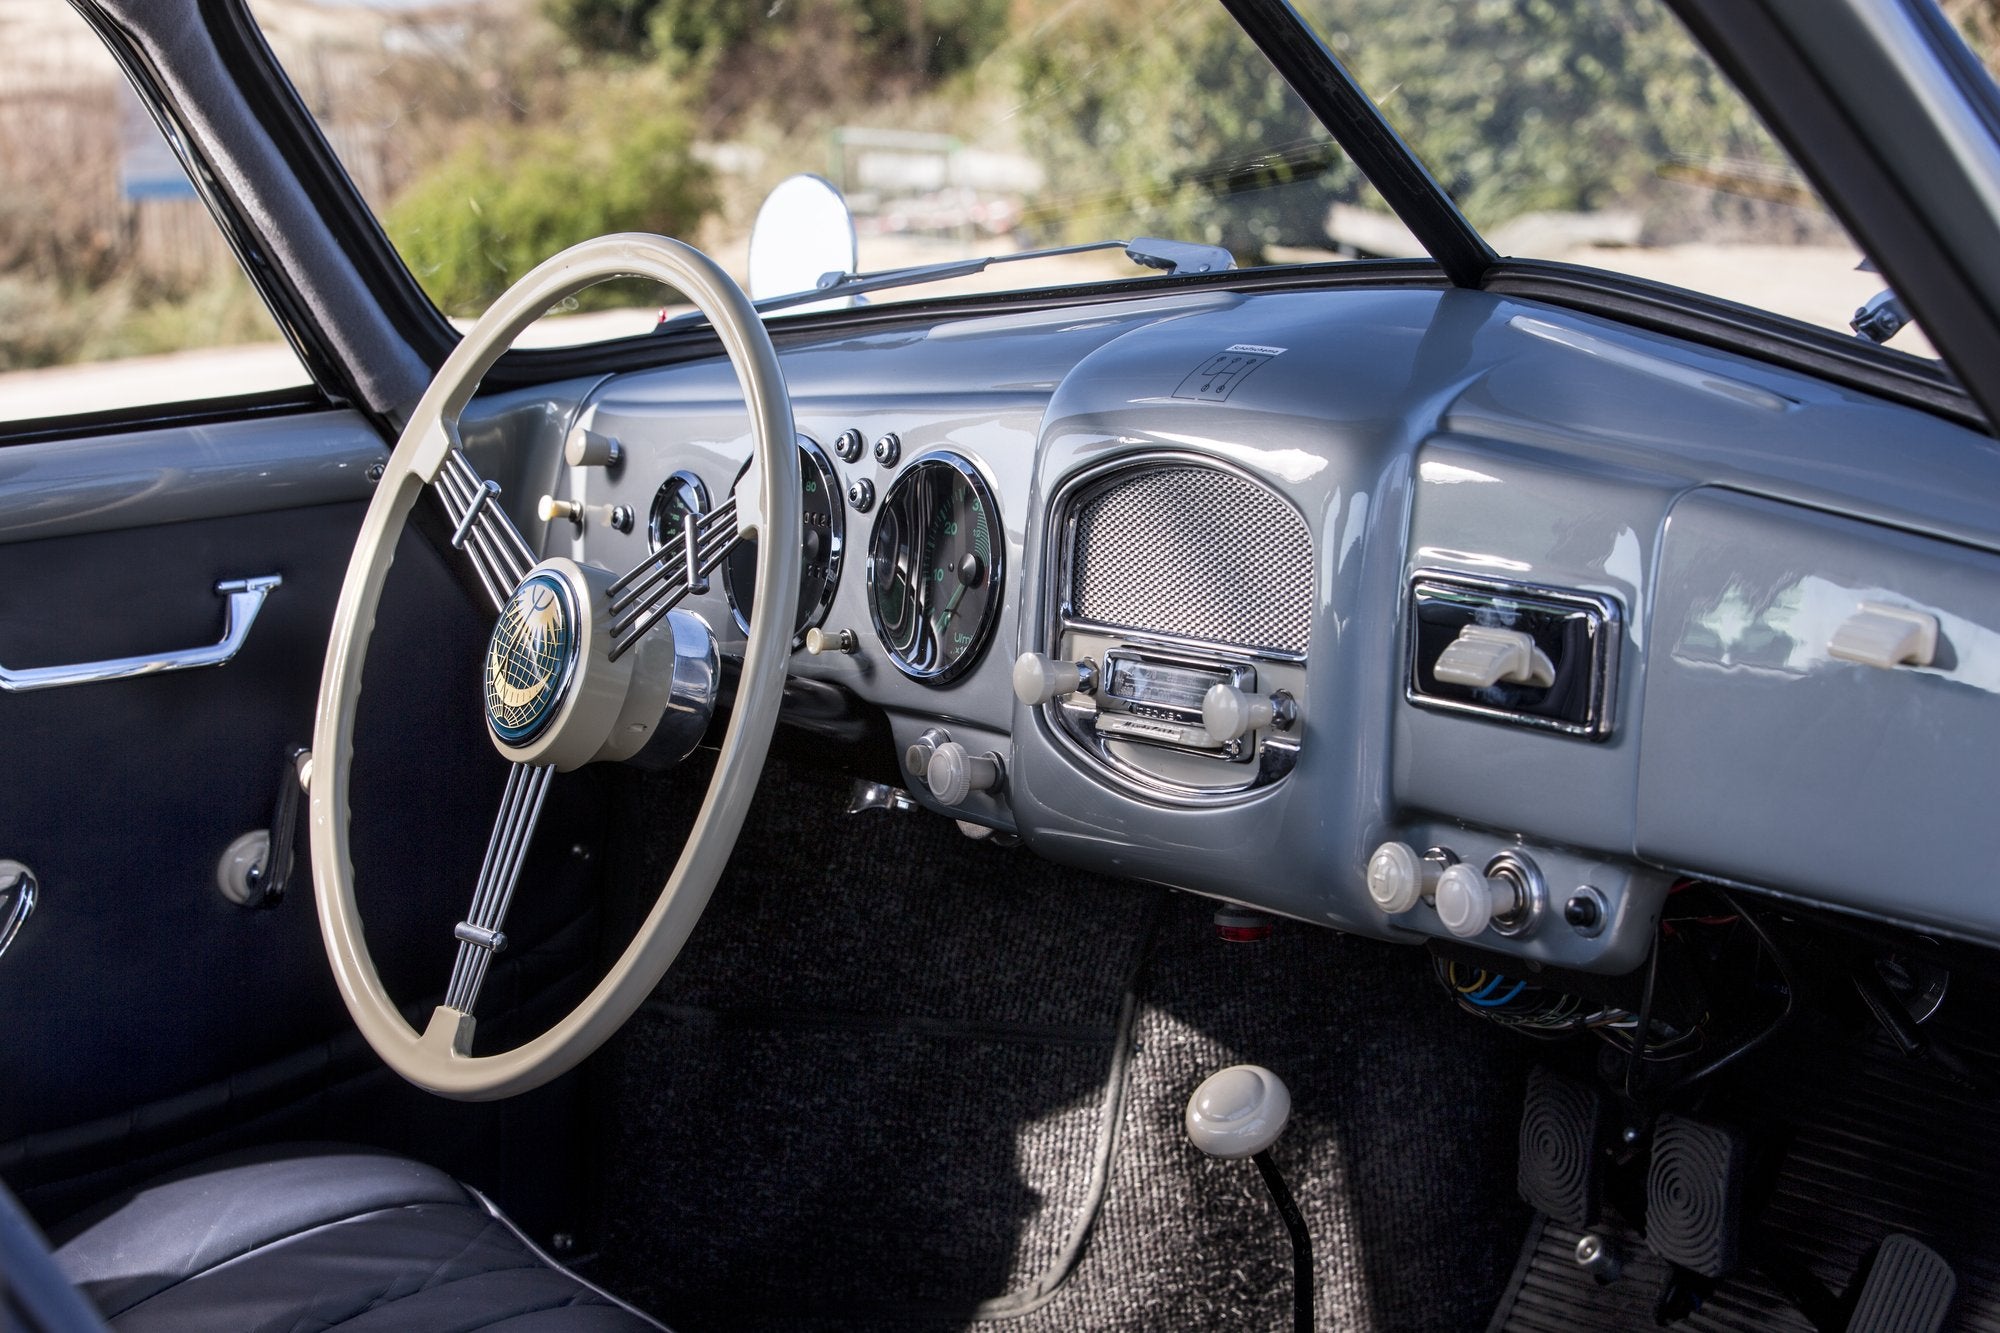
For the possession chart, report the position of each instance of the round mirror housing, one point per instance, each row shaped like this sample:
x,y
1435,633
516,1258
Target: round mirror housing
x,y
803,232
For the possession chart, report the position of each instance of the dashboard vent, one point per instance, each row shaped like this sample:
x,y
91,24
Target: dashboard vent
x,y
1194,552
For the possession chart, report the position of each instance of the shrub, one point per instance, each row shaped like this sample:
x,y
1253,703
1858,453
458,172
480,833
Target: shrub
x,y
512,195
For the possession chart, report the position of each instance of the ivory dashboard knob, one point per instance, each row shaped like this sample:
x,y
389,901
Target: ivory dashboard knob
x,y
819,641
1396,877
1467,901
1238,1112
1038,678
551,510
954,773
1228,712
584,447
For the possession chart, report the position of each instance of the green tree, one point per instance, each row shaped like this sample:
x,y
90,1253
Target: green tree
x,y
512,195
1518,106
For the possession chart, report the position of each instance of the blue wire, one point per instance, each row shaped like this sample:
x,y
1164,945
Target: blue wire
x,y
1487,989
1495,1003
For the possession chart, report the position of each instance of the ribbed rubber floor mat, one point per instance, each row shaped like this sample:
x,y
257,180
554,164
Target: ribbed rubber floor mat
x,y
1880,1145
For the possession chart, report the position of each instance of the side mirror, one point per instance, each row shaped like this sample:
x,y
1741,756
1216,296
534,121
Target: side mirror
x,y
802,233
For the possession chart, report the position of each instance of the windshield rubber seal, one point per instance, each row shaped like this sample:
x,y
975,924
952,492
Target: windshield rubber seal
x,y
1350,115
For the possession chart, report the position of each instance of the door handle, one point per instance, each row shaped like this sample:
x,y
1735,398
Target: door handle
x,y
18,890
246,599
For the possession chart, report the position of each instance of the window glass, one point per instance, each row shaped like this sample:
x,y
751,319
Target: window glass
x,y
116,288
487,137
1598,132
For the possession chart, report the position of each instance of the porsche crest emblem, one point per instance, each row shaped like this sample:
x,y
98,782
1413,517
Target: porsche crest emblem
x,y
530,658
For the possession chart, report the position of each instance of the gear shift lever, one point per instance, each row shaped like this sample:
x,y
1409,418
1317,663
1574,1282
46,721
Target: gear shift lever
x,y
1239,1112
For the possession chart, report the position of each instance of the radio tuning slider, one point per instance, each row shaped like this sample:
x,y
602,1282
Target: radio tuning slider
x,y
1229,712
1039,678
584,447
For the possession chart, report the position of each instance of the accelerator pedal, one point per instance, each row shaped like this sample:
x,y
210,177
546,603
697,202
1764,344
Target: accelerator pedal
x,y
1907,1289
1694,1194
1562,1124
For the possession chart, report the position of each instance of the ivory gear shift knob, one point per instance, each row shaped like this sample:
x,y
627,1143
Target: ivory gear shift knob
x,y
1238,1112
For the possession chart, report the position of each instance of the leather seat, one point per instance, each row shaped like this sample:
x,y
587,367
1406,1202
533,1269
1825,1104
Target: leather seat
x,y
321,1237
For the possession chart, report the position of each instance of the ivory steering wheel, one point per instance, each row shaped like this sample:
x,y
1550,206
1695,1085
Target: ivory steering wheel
x,y
581,668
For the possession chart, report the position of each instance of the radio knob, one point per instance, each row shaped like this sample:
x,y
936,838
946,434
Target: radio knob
x,y
1039,678
1467,901
954,773
1228,712
584,447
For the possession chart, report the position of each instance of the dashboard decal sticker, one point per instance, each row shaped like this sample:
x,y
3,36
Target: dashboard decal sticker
x,y
1216,378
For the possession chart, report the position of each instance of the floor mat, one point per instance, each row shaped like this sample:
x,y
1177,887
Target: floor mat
x,y
1878,1144
881,1082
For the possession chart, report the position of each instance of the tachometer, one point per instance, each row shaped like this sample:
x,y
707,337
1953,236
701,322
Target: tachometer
x,y
934,568
823,522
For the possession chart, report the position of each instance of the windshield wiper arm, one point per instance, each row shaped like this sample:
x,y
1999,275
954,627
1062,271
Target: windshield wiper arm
x,y
1174,257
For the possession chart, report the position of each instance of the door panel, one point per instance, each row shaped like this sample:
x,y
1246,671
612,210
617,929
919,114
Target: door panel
x,y
145,1012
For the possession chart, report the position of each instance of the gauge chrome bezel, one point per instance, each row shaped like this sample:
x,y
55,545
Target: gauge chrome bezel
x,y
689,482
996,577
830,486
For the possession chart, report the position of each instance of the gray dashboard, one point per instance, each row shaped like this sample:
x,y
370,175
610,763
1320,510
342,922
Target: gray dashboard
x,y
1686,533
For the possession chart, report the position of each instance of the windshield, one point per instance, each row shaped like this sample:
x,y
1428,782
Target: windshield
x,y
1597,132
488,136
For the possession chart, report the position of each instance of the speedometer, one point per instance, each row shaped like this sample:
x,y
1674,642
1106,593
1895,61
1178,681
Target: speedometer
x,y
935,567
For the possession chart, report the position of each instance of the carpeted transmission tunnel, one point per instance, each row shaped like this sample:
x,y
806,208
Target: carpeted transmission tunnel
x,y
902,1077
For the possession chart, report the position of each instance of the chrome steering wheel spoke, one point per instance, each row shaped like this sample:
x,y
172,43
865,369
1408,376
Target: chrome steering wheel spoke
x,y
642,596
479,936
480,527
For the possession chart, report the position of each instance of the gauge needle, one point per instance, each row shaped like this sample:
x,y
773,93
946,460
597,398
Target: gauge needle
x,y
969,572
950,608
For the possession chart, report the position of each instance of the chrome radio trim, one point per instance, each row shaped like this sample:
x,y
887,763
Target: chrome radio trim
x,y
1072,720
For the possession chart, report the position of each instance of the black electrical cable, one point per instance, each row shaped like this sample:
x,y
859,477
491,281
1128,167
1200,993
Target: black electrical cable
x,y
1302,1253
1778,960
1636,1057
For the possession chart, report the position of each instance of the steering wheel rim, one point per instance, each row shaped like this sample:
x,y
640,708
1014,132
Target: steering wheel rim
x,y
438,1058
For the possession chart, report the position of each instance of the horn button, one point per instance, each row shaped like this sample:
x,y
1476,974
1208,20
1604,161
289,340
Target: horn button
x,y
553,695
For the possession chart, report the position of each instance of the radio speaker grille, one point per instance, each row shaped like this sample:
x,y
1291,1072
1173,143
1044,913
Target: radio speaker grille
x,y
1196,552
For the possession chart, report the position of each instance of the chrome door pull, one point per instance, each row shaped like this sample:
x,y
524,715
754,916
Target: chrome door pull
x,y
246,599
18,890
